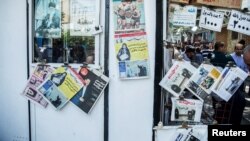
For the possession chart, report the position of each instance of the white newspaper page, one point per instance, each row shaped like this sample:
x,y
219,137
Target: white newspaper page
x,y
177,77
202,80
229,82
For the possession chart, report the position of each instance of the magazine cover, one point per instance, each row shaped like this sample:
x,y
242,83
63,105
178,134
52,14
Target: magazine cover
x,y
132,55
82,17
129,16
229,82
186,110
177,77
48,18
202,80
60,87
40,73
94,85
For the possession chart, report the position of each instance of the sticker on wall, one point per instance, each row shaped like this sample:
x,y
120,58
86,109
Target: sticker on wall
x,y
239,22
211,20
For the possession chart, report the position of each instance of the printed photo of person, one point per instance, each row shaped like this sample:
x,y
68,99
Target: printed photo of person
x,y
234,84
48,24
123,53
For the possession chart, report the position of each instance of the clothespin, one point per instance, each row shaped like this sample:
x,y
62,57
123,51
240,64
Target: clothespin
x,y
43,63
180,58
65,64
181,97
206,61
184,125
230,64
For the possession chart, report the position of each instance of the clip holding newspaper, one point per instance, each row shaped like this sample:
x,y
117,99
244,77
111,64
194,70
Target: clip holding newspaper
x,y
177,77
229,82
186,109
202,80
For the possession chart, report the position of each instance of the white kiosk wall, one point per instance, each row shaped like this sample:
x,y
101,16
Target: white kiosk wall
x,y
130,102
13,71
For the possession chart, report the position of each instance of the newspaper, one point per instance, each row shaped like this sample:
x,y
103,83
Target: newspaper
x,y
186,110
177,77
202,80
190,134
229,81
60,87
40,73
94,85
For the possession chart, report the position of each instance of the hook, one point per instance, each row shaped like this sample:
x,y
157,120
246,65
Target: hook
x,y
42,62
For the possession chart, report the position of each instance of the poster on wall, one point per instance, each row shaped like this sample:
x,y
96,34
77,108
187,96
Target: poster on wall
x,y
229,82
41,72
239,22
202,80
211,20
184,16
177,77
48,18
94,84
82,17
60,87
129,16
186,109
132,55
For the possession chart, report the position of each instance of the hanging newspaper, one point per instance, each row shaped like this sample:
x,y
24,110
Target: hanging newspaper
x,y
132,55
40,73
177,77
129,16
229,81
210,19
60,87
239,22
48,19
94,85
186,110
202,80
194,133
82,17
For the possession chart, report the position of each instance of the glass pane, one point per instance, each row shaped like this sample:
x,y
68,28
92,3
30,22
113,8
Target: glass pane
x,y
62,31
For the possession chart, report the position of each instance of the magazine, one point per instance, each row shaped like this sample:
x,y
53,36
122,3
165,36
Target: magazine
x,y
40,73
94,85
229,81
177,77
186,109
202,80
60,87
